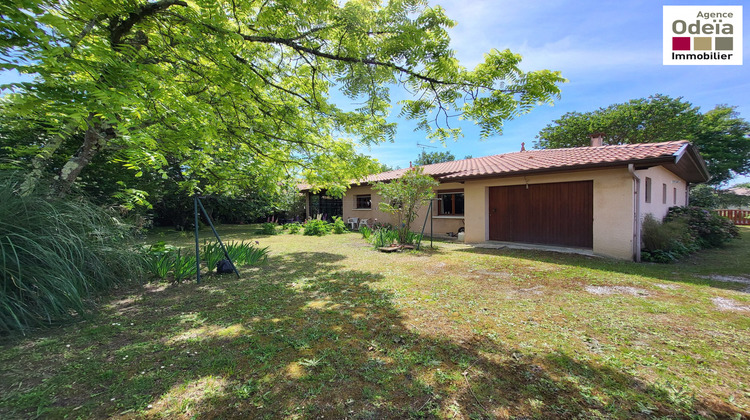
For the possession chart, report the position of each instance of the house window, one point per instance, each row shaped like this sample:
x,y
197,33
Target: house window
x,y
451,203
674,197
664,193
648,189
364,202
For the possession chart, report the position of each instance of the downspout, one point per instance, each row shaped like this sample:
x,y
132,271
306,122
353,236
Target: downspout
x,y
687,194
636,215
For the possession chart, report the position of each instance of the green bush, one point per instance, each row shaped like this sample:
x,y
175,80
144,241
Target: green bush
x,y
366,232
316,228
294,228
57,254
666,242
684,231
338,226
709,229
268,228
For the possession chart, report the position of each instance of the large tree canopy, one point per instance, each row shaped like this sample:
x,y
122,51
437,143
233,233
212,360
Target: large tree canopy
x,y
237,87
721,135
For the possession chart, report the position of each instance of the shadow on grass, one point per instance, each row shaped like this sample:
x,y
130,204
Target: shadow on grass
x,y
305,337
699,269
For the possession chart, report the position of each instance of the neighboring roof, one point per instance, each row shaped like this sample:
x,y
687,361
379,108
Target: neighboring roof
x,y
680,157
739,191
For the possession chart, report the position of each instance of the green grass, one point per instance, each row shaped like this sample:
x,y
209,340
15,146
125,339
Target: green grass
x,y
330,327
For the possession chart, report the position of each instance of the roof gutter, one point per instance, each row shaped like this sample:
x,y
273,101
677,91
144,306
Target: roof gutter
x,y
636,213
679,153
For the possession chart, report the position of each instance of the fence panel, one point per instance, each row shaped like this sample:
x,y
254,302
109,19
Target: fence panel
x,y
739,217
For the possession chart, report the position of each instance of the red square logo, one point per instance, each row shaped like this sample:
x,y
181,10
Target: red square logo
x,y
681,43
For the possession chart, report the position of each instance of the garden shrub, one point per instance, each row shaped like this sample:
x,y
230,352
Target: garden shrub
x,y
293,228
56,255
709,229
684,231
338,226
665,242
268,228
316,228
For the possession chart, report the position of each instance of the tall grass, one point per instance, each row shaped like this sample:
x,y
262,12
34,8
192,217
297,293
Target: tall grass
x,y
55,254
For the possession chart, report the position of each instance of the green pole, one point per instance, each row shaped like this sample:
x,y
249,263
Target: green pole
x,y
216,234
429,213
197,247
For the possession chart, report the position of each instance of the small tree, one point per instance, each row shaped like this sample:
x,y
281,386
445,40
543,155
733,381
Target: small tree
x,y
405,196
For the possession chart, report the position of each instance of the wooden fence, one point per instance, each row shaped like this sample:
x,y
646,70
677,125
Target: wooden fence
x,y
739,217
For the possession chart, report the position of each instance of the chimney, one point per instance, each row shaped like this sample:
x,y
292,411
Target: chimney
x,y
523,146
597,139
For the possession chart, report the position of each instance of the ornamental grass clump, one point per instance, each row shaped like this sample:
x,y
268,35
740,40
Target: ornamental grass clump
x,y
55,255
170,263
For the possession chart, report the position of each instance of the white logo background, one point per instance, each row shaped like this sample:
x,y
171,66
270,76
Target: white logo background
x,y
689,15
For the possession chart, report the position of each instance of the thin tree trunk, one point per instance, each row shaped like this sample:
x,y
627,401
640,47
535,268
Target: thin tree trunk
x,y
94,141
41,160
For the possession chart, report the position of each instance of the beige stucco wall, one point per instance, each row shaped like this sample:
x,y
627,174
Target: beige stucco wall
x,y
441,224
613,207
660,177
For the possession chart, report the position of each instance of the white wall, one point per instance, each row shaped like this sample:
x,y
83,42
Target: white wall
x,y
660,177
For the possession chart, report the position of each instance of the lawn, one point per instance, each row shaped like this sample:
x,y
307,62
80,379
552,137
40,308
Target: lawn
x,y
330,328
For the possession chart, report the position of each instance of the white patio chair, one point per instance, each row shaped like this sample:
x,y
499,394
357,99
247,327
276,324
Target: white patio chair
x,y
364,222
353,222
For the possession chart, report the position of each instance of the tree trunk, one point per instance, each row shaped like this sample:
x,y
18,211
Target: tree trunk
x,y
39,163
95,138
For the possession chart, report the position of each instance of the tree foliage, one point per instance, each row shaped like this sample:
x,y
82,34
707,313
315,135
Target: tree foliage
x,y
723,138
404,197
707,196
241,90
428,158
720,134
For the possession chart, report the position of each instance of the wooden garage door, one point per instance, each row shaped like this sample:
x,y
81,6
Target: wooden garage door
x,y
551,214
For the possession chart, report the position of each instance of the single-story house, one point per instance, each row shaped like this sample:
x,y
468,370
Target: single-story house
x,y
591,198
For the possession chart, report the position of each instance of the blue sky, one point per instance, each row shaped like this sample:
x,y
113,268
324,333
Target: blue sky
x,y
610,51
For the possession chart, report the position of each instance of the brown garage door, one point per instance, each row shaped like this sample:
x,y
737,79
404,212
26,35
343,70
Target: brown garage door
x,y
551,214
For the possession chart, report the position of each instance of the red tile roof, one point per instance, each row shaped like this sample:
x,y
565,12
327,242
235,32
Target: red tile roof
x,y
549,160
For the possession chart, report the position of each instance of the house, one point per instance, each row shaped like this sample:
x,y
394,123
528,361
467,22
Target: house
x,y
589,198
